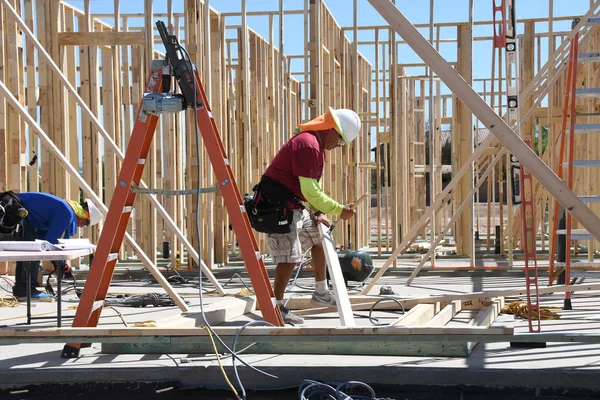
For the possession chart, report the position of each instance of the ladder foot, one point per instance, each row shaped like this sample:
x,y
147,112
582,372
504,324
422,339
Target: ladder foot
x,y
70,352
567,305
529,345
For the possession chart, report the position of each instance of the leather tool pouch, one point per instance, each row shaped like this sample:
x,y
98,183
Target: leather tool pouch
x,y
267,208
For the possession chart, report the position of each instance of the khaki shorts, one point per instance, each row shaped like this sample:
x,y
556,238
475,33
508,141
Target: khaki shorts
x,y
290,247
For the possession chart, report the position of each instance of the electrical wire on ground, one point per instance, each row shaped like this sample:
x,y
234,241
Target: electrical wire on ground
x,y
6,284
237,335
371,319
317,390
208,326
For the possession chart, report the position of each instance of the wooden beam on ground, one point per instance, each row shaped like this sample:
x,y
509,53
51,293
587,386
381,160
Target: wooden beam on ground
x,y
486,316
303,305
470,301
292,340
417,316
101,38
215,313
447,313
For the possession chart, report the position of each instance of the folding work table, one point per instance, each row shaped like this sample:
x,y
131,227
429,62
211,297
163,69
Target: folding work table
x,y
62,255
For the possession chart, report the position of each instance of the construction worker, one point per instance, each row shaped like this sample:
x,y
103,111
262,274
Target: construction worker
x,y
49,218
298,166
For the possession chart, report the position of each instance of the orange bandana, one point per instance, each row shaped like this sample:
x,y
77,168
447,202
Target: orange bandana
x,y
321,123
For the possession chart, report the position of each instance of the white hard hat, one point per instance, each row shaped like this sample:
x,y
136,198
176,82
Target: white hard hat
x,y
347,122
95,214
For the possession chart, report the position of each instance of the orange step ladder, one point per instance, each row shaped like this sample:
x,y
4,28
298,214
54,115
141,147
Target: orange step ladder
x,y
568,118
529,248
121,206
568,159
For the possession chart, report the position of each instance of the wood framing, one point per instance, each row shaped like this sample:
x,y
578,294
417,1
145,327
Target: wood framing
x,y
79,75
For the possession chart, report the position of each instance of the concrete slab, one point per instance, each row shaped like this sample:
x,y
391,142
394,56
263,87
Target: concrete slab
x,y
563,367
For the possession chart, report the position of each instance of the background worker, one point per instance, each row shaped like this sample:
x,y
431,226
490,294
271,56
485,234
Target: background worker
x,y
49,218
298,166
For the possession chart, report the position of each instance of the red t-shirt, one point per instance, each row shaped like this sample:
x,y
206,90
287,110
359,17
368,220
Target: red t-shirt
x,y
302,155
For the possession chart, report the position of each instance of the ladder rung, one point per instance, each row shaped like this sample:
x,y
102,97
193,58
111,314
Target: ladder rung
x,y
584,163
588,92
590,199
576,234
586,128
97,304
588,57
112,256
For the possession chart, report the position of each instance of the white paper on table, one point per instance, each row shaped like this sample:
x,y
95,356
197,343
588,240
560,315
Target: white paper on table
x,y
76,244
37,245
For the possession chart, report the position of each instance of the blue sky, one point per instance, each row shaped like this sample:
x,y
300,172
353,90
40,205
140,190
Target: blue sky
x,y
417,12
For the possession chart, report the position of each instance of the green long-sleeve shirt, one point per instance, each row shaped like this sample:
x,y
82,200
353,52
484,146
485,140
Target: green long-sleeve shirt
x,y
319,201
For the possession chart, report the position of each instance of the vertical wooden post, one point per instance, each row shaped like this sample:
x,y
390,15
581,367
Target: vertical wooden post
x,y
109,122
59,175
463,143
244,107
43,93
191,180
3,143
219,96
527,74
71,123
149,231
16,173
208,87
314,100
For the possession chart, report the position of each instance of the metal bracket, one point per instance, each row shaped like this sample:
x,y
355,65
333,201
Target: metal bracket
x,y
174,192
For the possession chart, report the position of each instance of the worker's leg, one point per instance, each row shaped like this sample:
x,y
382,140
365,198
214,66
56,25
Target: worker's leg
x,y
318,262
286,252
283,273
310,238
20,288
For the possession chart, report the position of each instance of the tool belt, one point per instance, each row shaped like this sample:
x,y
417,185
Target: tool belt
x,y
12,214
268,208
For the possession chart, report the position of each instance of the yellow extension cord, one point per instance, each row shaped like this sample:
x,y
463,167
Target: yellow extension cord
x,y
11,301
519,308
221,364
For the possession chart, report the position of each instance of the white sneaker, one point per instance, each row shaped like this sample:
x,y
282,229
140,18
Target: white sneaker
x,y
289,318
324,299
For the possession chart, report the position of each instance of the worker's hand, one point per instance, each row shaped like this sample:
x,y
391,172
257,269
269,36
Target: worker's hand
x,y
348,212
322,218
